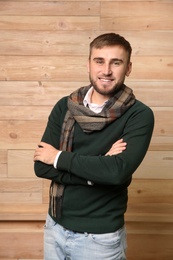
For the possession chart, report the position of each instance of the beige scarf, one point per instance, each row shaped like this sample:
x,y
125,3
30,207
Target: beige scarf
x,y
89,122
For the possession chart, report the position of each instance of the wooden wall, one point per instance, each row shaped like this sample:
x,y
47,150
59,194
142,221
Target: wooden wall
x,y
43,55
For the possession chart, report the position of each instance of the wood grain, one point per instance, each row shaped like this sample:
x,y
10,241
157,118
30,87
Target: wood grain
x,y
52,68
44,48
149,15
72,40
40,93
52,8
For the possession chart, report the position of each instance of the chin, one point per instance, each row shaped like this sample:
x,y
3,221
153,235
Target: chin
x,y
105,89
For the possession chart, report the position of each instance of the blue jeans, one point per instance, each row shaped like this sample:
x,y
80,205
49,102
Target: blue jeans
x,y
64,244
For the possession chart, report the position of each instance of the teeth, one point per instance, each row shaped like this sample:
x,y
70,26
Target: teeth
x,y
106,80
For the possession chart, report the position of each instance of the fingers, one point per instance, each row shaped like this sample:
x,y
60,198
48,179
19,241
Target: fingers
x,y
38,150
45,153
119,145
117,148
36,154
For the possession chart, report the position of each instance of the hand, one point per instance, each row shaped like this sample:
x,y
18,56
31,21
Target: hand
x,y
45,153
117,147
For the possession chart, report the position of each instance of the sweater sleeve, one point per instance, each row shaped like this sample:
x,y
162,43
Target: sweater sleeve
x,y
52,136
116,169
49,172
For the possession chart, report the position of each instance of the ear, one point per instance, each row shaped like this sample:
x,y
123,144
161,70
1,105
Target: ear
x,y
129,69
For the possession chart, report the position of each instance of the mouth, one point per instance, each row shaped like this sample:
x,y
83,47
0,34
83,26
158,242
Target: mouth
x,y
105,80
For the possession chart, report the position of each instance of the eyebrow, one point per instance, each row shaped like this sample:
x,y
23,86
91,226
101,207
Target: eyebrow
x,y
112,60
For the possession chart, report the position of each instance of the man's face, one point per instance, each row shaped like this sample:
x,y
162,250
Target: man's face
x,y
108,68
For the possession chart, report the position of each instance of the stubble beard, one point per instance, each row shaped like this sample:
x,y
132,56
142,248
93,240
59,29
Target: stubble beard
x,y
111,92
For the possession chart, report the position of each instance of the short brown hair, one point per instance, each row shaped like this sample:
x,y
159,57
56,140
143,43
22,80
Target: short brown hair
x,y
110,39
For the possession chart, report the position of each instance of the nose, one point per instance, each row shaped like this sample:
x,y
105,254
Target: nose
x,y
107,69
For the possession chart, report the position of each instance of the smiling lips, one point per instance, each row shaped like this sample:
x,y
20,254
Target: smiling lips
x,y
106,80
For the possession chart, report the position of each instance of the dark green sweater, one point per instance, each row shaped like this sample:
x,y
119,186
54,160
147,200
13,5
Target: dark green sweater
x,y
97,208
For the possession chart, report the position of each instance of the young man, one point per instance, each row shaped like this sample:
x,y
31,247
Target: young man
x,y
94,141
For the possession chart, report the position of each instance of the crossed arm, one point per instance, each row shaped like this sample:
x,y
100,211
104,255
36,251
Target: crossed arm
x,y
114,168
46,153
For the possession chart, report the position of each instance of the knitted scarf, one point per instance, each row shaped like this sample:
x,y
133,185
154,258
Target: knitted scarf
x,y
89,122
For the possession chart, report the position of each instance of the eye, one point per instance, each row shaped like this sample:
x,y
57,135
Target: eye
x,y
99,61
117,62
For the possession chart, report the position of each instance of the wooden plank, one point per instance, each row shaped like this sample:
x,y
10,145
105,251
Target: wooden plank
x,y
27,197
153,68
156,165
11,258
20,190
21,258
46,185
147,91
156,42
26,240
21,134
24,112
16,42
52,68
20,164
149,232
23,211
32,93
149,15
43,68
3,170
3,164
75,0
45,43
49,23
3,156
53,8
156,247
151,191
20,185
149,212
161,143
163,124
149,228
